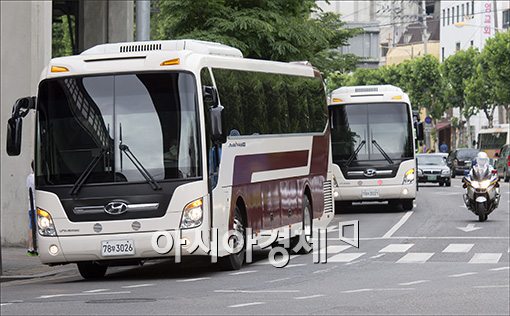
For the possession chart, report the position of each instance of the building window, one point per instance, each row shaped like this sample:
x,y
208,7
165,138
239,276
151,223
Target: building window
x,y
442,53
448,17
472,43
457,46
462,16
467,8
506,19
458,14
473,8
444,18
453,15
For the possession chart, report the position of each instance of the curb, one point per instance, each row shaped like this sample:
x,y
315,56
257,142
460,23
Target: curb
x,y
8,278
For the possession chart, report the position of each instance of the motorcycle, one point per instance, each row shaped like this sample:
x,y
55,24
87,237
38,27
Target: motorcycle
x,y
482,195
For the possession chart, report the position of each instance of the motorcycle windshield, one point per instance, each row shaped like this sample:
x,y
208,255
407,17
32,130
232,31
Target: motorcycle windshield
x,y
480,173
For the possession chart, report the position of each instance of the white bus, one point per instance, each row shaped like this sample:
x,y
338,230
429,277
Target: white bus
x,y
174,136
373,145
490,140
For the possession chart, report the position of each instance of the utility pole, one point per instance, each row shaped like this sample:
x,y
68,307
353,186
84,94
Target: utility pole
x,y
143,20
424,33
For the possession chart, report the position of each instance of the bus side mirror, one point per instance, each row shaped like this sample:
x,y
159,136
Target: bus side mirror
x,y
474,143
216,115
14,129
15,124
419,131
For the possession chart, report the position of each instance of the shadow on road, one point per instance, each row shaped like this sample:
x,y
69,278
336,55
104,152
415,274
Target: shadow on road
x,y
367,208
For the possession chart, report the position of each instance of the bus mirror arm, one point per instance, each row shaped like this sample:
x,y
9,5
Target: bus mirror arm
x,y
419,131
15,124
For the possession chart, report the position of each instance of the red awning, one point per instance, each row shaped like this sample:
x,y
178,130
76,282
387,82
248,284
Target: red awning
x,y
443,125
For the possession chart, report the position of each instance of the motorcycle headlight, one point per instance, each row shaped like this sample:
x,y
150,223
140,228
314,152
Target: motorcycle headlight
x,y
481,184
192,214
409,177
45,223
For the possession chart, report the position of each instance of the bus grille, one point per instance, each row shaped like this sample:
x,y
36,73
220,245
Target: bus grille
x,y
328,197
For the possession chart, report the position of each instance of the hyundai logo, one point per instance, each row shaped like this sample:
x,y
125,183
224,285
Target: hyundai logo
x,y
116,208
370,173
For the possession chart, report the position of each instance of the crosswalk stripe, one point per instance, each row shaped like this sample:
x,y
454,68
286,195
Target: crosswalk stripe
x,y
335,249
456,248
396,248
346,257
416,257
485,258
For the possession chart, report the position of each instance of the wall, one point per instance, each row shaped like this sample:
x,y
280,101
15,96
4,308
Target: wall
x,y
25,43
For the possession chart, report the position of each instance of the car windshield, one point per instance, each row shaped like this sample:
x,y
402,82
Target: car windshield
x,y
467,154
431,160
388,124
80,118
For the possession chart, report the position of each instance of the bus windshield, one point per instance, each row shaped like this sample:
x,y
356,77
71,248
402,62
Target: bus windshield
x,y
492,140
86,118
375,129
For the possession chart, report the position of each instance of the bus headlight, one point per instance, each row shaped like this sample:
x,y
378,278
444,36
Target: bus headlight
x,y
409,177
192,214
45,223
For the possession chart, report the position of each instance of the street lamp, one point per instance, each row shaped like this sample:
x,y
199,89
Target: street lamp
x,y
462,24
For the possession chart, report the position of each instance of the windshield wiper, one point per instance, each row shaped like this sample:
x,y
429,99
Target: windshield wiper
x,y
86,173
148,177
382,152
355,153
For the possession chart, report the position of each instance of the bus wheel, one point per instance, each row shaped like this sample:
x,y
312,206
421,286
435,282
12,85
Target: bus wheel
x,y
91,270
235,261
306,229
407,205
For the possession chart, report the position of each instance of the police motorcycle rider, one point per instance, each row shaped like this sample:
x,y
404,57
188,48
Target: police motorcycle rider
x,y
482,184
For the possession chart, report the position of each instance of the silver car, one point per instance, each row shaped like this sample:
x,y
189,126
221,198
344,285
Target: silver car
x,y
433,168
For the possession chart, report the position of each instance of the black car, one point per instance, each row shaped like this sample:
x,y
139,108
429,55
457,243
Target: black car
x,y
460,160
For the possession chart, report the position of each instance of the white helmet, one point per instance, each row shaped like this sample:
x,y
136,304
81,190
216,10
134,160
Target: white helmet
x,y
482,159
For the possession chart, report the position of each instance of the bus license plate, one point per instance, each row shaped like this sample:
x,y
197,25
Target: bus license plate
x,y
370,194
117,248
432,178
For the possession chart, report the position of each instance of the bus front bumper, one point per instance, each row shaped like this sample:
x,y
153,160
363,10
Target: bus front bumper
x,y
70,249
375,193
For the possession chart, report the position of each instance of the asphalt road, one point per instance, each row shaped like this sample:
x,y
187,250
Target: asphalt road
x,y
436,259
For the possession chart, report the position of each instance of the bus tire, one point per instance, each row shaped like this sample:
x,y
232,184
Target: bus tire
x,y
91,270
235,261
306,228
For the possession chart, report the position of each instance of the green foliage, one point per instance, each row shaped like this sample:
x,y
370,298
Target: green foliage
x,y
262,29
61,37
496,55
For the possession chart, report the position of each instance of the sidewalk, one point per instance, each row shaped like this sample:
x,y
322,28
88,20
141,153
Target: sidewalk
x,y
17,265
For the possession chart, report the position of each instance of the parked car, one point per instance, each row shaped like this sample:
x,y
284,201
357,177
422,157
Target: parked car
x,y
460,160
433,168
503,163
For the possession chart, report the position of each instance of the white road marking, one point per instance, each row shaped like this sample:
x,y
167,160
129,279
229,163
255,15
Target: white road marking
x,y
243,272
456,248
396,289
295,265
416,257
490,286
469,228
246,304
335,248
462,274
325,270
485,258
256,291
266,261
97,291
377,256
499,269
399,224
82,294
278,280
433,237
357,291
137,285
346,257
332,228
307,297
396,248
414,282
5,304
193,280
